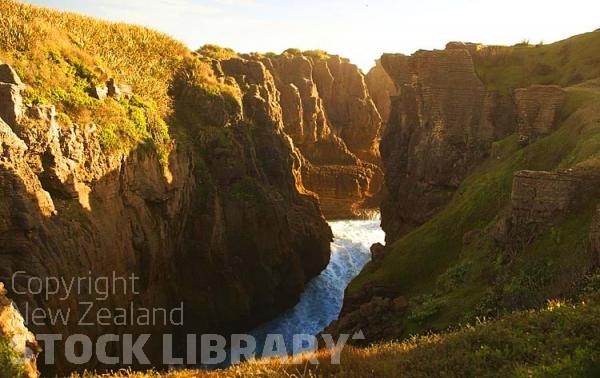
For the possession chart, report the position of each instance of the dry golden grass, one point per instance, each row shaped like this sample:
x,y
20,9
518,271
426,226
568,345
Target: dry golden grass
x,y
140,56
560,340
61,55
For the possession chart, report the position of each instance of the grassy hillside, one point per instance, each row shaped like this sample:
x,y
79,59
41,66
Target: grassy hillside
x,y
449,282
564,63
560,340
60,56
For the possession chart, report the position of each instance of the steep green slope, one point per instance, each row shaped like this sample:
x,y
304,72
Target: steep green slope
x,y
451,269
563,63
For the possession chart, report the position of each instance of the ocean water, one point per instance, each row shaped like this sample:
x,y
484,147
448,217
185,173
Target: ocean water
x,y
321,302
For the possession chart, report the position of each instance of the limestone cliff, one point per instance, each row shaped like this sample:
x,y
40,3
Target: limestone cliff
x,y
491,190
329,114
442,124
541,200
382,89
223,226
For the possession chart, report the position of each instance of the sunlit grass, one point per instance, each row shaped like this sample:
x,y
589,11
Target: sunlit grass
x,y
559,340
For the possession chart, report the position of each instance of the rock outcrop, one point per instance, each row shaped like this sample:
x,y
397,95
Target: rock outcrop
x,y
382,89
442,124
224,227
328,113
13,330
436,132
541,199
538,109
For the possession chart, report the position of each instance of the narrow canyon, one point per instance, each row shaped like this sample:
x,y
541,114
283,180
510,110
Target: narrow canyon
x,y
215,179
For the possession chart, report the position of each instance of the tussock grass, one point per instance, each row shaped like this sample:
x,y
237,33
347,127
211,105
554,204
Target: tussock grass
x,y
61,55
563,63
557,341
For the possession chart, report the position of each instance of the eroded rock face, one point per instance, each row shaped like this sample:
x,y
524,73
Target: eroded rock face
x,y
538,109
224,228
442,124
436,133
327,111
12,329
540,199
11,102
382,89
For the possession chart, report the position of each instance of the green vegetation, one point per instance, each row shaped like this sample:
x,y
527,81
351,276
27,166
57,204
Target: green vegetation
x,y
292,52
7,354
564,63
449,282
558,341
317,54
249,190
216,52
61,56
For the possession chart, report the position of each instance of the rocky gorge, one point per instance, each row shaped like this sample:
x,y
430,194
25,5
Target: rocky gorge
x,y
221,212
485,175
209,177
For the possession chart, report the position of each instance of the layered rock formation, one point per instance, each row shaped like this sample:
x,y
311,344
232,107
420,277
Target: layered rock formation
x,y
328,113
12,330
542,199
442,124
382,89
538,108
224,228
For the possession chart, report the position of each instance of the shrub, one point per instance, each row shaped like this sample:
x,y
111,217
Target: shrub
x,y
216,52
7,367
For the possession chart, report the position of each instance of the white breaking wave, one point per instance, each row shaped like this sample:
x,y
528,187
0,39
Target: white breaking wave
x,y
321,302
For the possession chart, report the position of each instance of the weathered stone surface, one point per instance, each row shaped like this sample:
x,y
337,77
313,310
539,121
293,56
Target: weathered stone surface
x,y
377,252
99,92
382,89
8,75
226,227
11,103
538,196
328,113
538,109
377,318
12,328
540,199
436,133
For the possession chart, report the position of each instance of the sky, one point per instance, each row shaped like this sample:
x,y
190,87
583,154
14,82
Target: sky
x,y
357,29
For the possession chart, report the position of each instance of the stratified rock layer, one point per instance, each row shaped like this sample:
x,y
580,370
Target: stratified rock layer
x,y
442,124
382,89
538,108
330,116
541,199
225,227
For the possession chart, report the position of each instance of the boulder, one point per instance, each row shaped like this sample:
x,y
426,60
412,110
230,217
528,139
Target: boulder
x,y
377,252
9,75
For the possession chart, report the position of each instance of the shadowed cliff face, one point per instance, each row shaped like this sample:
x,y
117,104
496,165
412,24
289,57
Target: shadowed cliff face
x,y
442,124
224,227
